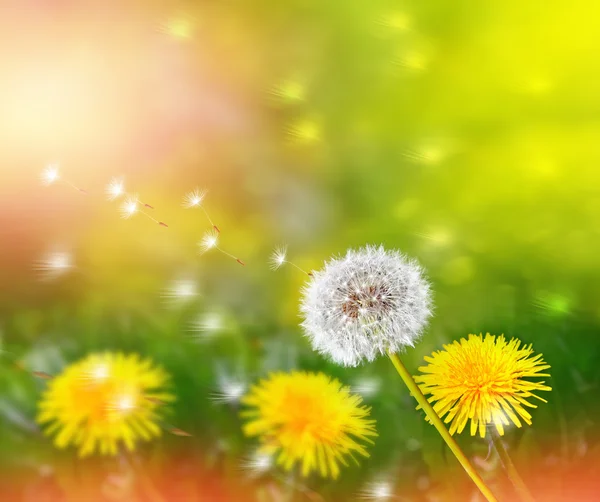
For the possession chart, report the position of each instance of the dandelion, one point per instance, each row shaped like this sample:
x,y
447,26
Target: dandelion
x,y
195,198
131,206
210,241
279,258
55,264
51,175
104,401
483,380
368,303
307,419
373,302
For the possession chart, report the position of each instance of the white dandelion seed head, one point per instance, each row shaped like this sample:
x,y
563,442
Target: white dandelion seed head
x,y
194,198
50,174
129,207
364,304
257,463
209,241
278,257
378,490
115,188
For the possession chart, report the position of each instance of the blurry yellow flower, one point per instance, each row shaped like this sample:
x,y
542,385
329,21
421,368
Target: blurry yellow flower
x,y
102,401
482,380
307,418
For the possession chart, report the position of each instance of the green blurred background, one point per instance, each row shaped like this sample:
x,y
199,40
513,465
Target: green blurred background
x,y
463,133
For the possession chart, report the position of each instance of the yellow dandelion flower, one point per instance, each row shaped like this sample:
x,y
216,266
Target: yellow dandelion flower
x,y
309,419
483,380
102,401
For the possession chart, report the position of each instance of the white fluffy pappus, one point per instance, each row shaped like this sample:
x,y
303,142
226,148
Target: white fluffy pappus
x,y
364,304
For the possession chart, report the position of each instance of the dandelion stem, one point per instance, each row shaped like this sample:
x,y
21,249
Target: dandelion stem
x,y
509,467
439,425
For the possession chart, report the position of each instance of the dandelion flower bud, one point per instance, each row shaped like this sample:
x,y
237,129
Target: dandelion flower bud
x,y
367,303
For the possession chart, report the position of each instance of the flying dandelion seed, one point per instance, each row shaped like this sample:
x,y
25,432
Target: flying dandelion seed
x,y
304,132
180,27
257,464
55,264
195,198
181,291
210,241
437,237
427,155
378,490
230,390
552,304
131,206
367,387
412,60
207,325
393,23
289,91
51,175
116,189
279,258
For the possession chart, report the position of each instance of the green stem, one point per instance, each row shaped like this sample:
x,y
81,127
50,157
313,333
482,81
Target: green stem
x,y
516,480
441,428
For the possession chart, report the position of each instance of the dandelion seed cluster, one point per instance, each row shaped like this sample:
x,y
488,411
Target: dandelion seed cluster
x,y
309,419
104,401
367,303
483,380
